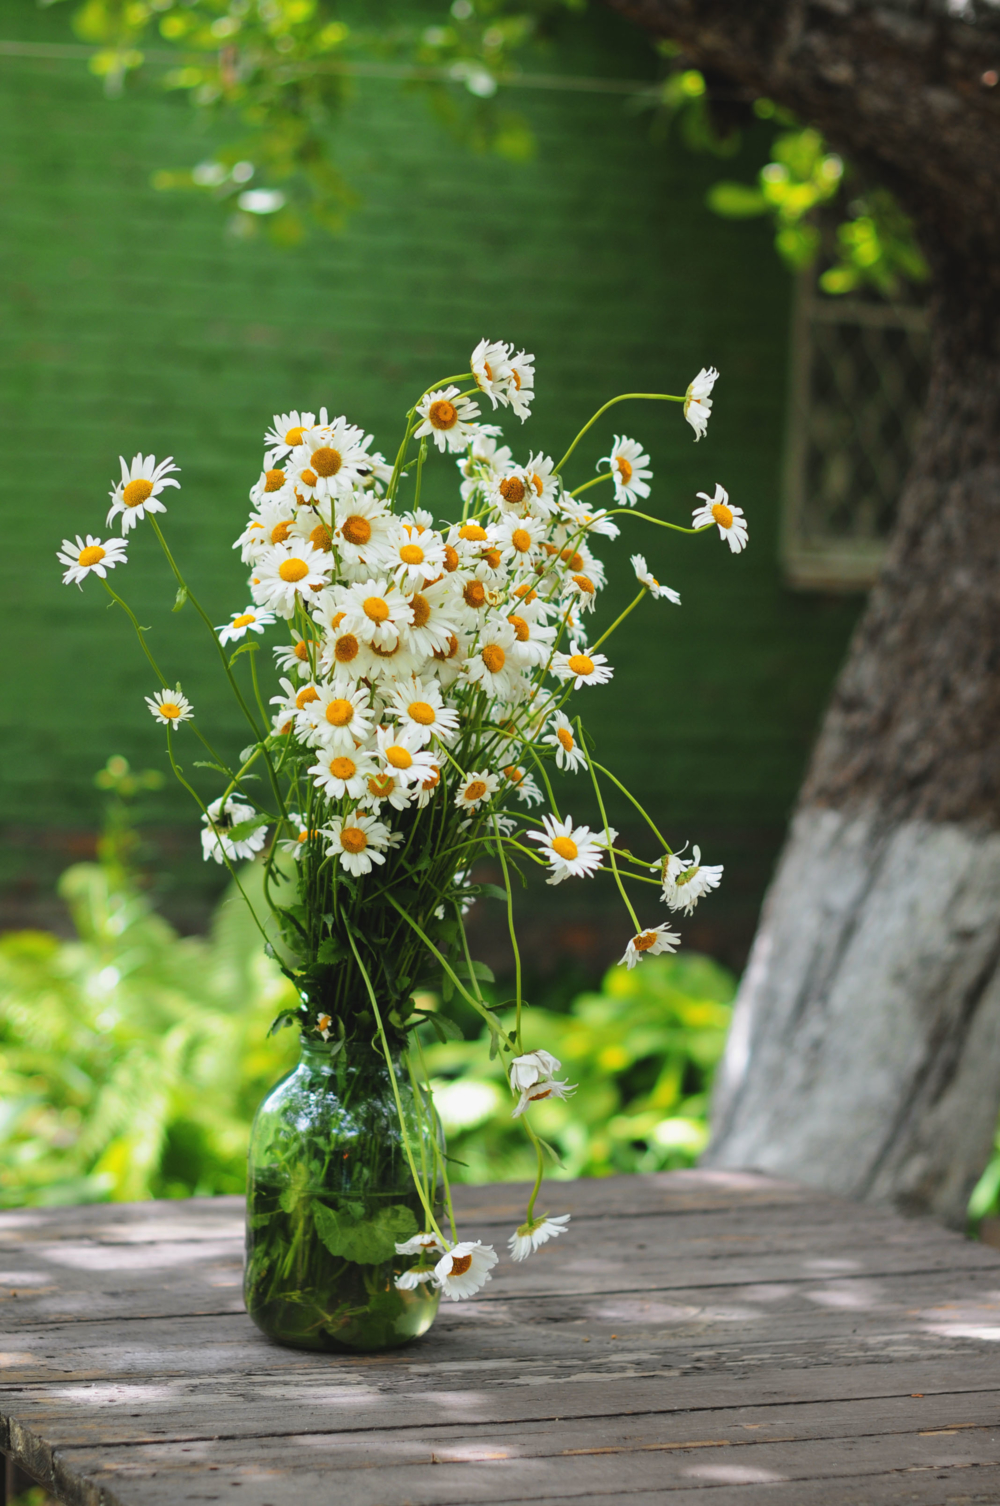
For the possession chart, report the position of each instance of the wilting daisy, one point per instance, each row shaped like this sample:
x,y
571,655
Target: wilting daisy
x,y
489,362
541,1091
685,881
629,468
250,620
219,823
92,557
420,1244
537,1232
530,1068
170,707
698,401
357,840
582,668
649,944
570,851
643,576
569,755
520,384
286,572
717,509
137,492
447,418
476,788
465,1268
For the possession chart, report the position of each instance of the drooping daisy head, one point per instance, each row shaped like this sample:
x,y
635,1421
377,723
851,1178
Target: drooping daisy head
x,y
730,520
95,557
535,1232
521,384
465,1268
698,400
170,707
645,578
491,369
137,493
687,880
561,737
629,465
650,944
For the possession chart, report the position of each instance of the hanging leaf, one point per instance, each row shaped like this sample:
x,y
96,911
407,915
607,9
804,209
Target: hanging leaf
x,y
369,1242
180,598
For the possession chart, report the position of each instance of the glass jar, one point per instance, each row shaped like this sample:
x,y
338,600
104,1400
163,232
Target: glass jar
x,y
329,1194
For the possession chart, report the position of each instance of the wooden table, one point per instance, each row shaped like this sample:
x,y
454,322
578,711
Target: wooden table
x,y
696,1337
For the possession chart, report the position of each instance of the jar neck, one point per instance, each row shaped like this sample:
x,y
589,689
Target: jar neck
x,y
359,1052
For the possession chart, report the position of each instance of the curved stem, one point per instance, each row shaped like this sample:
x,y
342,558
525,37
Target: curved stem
x,y
513,935
652,397
604,476
607,830
540,1174
629,796
620,619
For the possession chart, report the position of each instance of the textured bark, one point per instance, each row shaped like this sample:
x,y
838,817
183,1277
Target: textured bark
x,y
866,1051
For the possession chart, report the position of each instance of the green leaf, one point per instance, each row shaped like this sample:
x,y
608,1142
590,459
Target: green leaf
x,y
369,1242
244,829
479,970
244,648
201,763
331,950
180,598
282,1022
447,986
494,891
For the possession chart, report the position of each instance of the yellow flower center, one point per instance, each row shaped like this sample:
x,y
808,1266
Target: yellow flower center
x,y
420,711
294,436
566,848
537,483
460,1264
526,594
310,693
400,758
308,478
581,664
574,561
325,461
585,584
521,630
566,738
136,492
624,468
339,713
514,774
645,941
244,620
433,779
170,709
376,609
474,594
274,480
279,533
302,651
321,538
442,414
411,554
512,490
722,515
475,790
343,768
494,658
521,539
345,649
441,655
421,609
353,839
92,555
356,530
381,786
293,570
472,533
450,558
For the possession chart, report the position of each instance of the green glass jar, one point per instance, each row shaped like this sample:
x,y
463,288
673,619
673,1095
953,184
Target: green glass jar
x,y
329,1194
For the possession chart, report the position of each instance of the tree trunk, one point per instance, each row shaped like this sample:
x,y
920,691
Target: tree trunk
x,y
865,1050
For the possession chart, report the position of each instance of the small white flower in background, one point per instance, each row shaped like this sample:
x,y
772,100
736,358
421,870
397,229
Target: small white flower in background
x,y
286,572
571,851
295,846
215,840
530,1068
649,944
491,369
580,515
526,1240
569,755
92,557
685,881
465,1268
285,433
251,619
583,668
170,707
630,468
525,784
356,840
475,788
324,1024
448,419
137,492
730,520
643,576
698,401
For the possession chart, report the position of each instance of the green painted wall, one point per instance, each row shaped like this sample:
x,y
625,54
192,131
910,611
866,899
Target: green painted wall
x,y
128,320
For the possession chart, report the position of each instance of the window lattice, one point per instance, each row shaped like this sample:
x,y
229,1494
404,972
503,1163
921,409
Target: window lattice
x,y
858,383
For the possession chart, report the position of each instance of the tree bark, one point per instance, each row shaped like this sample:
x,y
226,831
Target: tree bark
x,y
865,1050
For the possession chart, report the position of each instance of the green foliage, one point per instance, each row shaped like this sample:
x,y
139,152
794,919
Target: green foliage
x,y
643,1051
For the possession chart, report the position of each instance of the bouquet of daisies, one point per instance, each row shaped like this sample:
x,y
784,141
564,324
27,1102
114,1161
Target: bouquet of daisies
x,y
420,696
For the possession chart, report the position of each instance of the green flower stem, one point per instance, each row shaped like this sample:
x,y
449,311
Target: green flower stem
x,y
540,1174
252,653
421,457
652,397
446,966
441,1165
607,830
604,476
629,796
619,620
432,1222
627,512
536,760
513,934
419,1101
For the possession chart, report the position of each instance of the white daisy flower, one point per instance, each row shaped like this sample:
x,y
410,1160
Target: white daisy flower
x,y
630,468
337,718
400,749
92,557
294,657
447,663
295,846
294,700
643,576
345,654
649,944
489,364
170,707
250,620
526,1240
492,664
583,669
686,882
364,531
571,852
271,523
270,483
513,491
324,1023
375,612
392,664
530,1068
357,841
434,620
569,755
518,540
541,1091
521,384
447,421
341,774
428,788
284,573
525,785
533,637
582,589
465,1268
137,492
413,1278
414,556
475,788
420,1244
216,841
384,787
717,509
485,462
419,706
330,461
698,401
546,485
287,429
